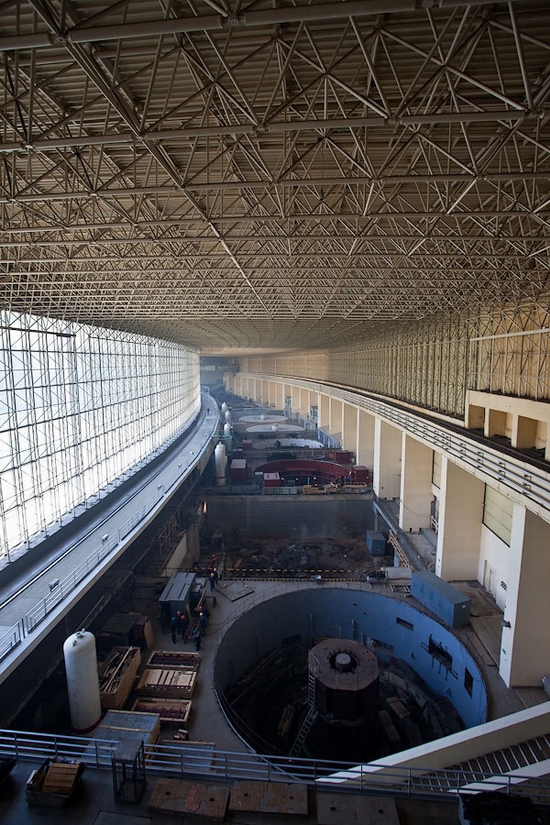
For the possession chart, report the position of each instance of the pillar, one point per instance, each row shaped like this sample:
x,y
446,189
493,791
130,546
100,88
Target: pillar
x,y
324,412
335,418
416,485
364,453
349,428
387,460
460,519
525,645
304,403
312,411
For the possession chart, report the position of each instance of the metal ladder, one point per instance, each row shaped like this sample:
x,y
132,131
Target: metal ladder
x,y
310,717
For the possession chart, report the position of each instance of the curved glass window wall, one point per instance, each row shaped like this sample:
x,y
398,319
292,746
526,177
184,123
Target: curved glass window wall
x,y
80,408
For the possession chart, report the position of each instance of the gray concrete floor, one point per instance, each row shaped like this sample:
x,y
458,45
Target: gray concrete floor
x,y
93,802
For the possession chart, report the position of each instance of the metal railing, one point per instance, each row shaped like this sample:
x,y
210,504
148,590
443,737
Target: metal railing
x,y
529,483
202,760
61,589
10,639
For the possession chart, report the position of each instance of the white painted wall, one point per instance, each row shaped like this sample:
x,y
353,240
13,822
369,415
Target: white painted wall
x,y
494,561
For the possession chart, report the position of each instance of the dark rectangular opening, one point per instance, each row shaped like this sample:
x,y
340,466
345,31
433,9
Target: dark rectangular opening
x,y
468,681
440,655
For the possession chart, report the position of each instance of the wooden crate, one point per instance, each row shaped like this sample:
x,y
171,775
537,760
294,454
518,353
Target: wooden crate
x,y
169,710
118,676
127,724
174,659
53,783
170,684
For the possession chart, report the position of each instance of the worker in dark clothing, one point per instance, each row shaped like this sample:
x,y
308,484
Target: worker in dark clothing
x,y
174,627
213,579
197,638
178,622
202,622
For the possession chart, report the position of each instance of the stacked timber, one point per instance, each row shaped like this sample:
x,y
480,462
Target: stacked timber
x,y
174,660
167,683
53,783
117,678
169,710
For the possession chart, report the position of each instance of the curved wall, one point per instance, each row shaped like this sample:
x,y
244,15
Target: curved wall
x,y
398,630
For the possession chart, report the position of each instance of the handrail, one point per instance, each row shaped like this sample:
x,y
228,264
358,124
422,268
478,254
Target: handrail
x,y
60,589
530,483
203,760
10,639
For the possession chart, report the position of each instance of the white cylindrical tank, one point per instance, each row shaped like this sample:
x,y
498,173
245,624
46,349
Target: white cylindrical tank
x,y
224,407
220,463
228,417
79,651
227,429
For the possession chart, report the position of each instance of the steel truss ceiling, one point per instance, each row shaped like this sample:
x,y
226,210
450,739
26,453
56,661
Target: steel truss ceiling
x,y
237,175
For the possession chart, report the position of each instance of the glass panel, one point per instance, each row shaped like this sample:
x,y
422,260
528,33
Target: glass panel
x,y
80,407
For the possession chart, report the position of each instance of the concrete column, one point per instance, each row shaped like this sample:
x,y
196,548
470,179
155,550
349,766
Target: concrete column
x,y
336,418
295,395
287,393
387,460
278,395
365,439
314,401
460,519
349,428
256,390
324,412
304,403
525,645
416,485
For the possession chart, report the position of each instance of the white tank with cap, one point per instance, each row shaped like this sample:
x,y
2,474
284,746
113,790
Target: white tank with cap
x,y
79,651
220,463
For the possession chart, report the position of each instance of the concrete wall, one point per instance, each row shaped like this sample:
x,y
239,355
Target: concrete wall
x,y
354,614
297,518
494,562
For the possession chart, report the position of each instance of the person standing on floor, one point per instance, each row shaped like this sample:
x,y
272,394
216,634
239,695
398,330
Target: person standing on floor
x,y
202,622
197,638
174,627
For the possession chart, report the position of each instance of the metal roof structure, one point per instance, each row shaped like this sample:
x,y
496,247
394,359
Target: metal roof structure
x,y
273,173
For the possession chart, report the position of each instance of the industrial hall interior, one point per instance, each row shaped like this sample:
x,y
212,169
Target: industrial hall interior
x,y
275,411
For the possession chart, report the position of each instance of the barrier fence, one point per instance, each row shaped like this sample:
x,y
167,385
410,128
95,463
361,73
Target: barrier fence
x,y
202,760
